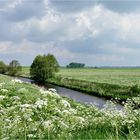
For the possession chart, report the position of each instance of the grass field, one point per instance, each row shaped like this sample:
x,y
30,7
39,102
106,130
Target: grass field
x,y
25,71
29,112
119,76
114,83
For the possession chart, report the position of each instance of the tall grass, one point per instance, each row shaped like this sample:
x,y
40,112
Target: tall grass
x,y
100,89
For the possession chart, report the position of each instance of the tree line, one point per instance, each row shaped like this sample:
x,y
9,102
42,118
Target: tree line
x,y
42,68
75,65
13,69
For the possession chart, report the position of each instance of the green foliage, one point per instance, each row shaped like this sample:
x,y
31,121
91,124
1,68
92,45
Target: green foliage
x,y
75,65
135,89
14,68
3,67
29,112
43,67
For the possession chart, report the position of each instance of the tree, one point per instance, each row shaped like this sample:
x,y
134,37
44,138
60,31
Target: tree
x,y
75,65
43,67
3,67
14,68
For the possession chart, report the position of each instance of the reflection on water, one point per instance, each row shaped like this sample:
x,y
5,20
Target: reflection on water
x,y
75,95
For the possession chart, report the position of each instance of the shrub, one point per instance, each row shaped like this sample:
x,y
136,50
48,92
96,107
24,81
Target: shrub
x,y
75,65
43,67
14,68
3,67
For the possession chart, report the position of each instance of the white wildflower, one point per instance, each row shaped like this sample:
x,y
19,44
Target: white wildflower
x,y
25,105
55,95
28,115
57,110
65,103
44,92
7,120
1,111
1,84
50,93
41,103
31,136
80,119
2,97
16,81
52,89
6,138
73,111
4,90
66,112
29,120
47,124
16,98
64,125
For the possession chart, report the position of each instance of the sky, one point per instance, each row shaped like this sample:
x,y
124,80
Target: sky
x,y
94,32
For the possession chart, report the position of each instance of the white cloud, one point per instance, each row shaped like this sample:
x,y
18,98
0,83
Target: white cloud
x,y
14,3
97,34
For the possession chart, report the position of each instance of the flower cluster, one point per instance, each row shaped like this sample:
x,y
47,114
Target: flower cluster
x,y
16,81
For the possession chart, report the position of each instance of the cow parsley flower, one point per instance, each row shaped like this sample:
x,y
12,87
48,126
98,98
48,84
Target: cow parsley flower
x,y
52,90
25,105
16,98
2,97
80,119
17,81
66,112
47,124
65,103
1,84
4,90
31,136
41,103
43,91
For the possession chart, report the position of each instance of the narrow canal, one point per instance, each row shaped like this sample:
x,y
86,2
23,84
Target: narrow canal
x,y
75,95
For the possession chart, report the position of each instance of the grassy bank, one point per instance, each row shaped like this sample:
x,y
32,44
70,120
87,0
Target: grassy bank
x,y
28,112
121,83
98,89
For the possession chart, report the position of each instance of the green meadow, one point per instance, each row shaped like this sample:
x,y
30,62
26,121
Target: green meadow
x,y
121,83
119,76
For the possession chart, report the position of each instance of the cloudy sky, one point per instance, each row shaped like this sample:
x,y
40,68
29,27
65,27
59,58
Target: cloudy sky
x,y
94,32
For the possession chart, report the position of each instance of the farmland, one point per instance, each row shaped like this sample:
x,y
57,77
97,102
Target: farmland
x,y
119,76
122,83
30,112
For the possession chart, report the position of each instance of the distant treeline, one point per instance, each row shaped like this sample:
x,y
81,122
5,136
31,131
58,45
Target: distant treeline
x,y
12,69
75,65
81,65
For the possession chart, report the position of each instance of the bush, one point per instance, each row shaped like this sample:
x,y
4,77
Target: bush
x,y
3,67
75,65
14,68
43,67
